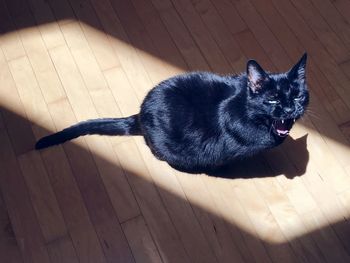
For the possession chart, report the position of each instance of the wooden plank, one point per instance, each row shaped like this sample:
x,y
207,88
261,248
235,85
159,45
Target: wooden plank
x,y
25,225
323,30
288,219
263,34
181,36
229,14
140,39
178,207
37,54
22,132
26,82
345,128
345,66
221,34
326,199
165,236
344,198
128,55
94,80
140,240
330,132
167,50
234,212
85,242
9,41
73,83
343,6
47,210
62,11
225,239
264,222
98,40
42,196
31,98
79,225
61,251
334,19
252,49
281,212
102,98
205,42
122,91
98,204
42,65
9,250
46,23
91,74
333,211
13,112
84,168
310,214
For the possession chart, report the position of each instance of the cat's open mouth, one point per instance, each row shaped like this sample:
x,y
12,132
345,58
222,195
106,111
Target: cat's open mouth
x,y
282,127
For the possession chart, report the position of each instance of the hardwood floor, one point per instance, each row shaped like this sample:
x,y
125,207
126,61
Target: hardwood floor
x,y
107,199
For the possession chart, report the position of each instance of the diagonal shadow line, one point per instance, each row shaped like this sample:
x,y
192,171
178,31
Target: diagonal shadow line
x,y
23,142
317,246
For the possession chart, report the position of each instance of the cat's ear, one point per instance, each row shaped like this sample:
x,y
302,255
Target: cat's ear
x,y
298,71
256,76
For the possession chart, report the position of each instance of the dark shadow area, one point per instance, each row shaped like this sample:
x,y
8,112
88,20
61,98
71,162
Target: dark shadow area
x,y
320,245
327,244
249,168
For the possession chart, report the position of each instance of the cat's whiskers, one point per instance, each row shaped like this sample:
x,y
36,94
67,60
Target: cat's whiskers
x,y
302,118
310,109
271,127
312,114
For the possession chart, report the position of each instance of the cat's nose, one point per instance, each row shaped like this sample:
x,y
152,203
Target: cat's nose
x,y
288,110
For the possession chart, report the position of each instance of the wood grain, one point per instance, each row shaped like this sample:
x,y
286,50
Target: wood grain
x,y
107,199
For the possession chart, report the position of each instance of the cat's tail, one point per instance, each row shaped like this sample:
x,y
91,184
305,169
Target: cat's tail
x,y
108,126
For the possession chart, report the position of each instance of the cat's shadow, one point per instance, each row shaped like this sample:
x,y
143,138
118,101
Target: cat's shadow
x,y
290,159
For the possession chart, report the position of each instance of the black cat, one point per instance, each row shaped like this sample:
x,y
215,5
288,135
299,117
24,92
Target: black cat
x,y
198,122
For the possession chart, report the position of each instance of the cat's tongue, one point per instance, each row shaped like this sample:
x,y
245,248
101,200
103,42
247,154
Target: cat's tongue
x,y
282,127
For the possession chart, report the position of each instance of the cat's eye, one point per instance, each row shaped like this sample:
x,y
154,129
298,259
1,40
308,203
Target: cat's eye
x,y
273,101
298,98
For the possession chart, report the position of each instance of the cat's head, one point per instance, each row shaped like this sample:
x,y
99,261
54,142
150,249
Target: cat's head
x,y
279,98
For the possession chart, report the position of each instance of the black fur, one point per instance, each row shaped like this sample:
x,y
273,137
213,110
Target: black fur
x,y
200,121
107,126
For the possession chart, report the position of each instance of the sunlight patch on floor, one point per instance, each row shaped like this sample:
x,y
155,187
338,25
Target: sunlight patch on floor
x,y
253,214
